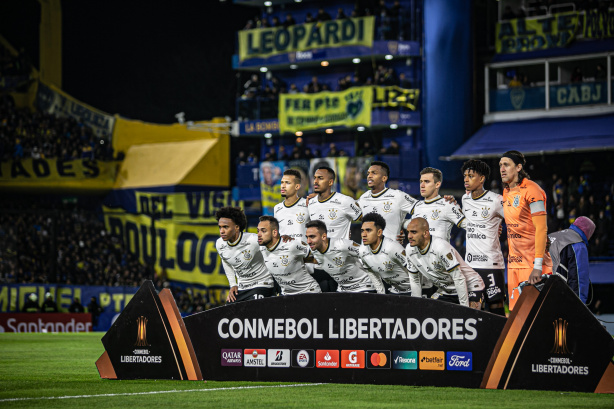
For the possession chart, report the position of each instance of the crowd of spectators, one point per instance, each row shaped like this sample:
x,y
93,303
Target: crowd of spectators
x,y
532,8
392,19
25,134
13,65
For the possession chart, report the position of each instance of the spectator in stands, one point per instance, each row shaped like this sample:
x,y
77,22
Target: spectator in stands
x,y
340,14
332,151
293,89
31,304
309,18
323,15
282,155
275,22
602,234
49,305
392,149
95,309
76,307
396,20
366,149
308,154
314,86
289,21
252,85
600,74
514,82
508,13
249,25
576,75
404,82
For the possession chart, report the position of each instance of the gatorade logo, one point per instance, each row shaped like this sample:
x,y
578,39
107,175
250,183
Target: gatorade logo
x,y
432,360
378,359
352,359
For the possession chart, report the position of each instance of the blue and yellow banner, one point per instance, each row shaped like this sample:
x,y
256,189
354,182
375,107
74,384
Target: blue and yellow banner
x,y
270,185
265,42
82,174
301,112
551,31
394,97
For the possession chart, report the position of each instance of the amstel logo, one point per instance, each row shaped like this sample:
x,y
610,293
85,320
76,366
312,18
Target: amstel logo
x,y
141,337
560,337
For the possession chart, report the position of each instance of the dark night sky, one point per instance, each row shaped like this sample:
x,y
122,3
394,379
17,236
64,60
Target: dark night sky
x,y
145,60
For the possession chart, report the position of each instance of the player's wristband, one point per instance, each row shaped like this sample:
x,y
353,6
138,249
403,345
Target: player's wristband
x,y
537,264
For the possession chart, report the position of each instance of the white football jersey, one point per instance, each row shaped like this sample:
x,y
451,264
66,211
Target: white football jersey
x,y
388,262
441,216
337,212
285,262
243,262
292,219
483,217
441,264
341,262
393,205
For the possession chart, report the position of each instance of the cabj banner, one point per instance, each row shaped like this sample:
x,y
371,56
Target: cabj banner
x,y
551,31
270,185
301,112
185,251
80,174
51,100
265,42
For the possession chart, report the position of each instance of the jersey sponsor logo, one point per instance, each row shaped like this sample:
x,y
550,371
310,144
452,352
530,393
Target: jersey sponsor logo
x,y
516,201
302,358
327,358
405,360
493,290
387,207
514,236
284,261
255,357
514,259
279,358
378,359
300,218
432,360
435,215
459,361
485,212
457,212
232,357
352,359
476,257
332,214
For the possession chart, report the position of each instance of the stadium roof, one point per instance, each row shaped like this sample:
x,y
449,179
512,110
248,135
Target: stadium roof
x,y
539,137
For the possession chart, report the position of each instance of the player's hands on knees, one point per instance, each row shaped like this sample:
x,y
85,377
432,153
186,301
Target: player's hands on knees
x,y
232,294
476,305
535,277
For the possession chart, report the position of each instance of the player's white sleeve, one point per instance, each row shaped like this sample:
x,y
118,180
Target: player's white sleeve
x,y
377,281
230,274
415,285
463,224
461,286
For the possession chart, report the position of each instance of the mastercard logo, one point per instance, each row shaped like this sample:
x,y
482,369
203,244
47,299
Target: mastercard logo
x,y
379,359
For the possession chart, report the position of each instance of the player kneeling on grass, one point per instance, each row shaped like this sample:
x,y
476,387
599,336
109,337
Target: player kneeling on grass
x,y
285,260
440,263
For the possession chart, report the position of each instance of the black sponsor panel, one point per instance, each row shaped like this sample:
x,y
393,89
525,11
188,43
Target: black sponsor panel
x,y
377,324
552,342
143,341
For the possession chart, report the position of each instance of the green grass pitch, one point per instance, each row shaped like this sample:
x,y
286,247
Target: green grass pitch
x,y
58,370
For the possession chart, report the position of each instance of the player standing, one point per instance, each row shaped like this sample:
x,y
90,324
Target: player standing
x,y
292,213
393,205
383,256
524,207
483,212
436,259
241,257
339,258
285,261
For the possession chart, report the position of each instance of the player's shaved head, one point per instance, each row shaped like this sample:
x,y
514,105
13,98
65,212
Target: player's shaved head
x,y
419,224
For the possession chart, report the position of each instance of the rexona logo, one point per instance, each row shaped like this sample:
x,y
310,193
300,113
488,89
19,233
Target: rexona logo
x,y
459,361
254,357
404,360
279,358
432,360
378,359
303,358
327,358
352,359
232,357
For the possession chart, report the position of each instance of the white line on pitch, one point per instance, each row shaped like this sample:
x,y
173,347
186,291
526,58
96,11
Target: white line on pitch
x,y
159,392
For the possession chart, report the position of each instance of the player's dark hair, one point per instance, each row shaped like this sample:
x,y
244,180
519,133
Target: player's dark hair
x,y
233,213
518,159
273,222
382,165
318,224
479,167
295,173
376,218
329,170
437,175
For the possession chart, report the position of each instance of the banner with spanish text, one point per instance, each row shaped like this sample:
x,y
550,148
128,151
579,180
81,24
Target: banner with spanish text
x,y
264,42
349,108
394,97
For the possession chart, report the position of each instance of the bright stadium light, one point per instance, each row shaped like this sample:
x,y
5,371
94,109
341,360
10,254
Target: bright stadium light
x,y
389,57
360,129
329,130
293,66
297,1
263,69
268,3
298,133
356,60
268,135
324,63
394,126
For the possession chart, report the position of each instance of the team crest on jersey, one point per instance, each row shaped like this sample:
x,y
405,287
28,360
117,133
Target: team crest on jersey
x,y
284,261
332,214
438,265
387,207
388,265
516,202
247,254
300,218
485,212
338,261
435,215
449,256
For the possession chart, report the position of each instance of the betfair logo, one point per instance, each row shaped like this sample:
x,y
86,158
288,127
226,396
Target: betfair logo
x,y
141,337
560,337
432,360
